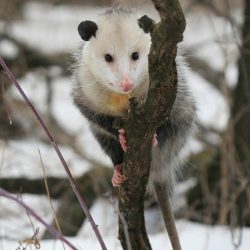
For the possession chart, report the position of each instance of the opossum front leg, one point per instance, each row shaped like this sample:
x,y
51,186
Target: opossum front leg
x,y
113,149
123,141
118,178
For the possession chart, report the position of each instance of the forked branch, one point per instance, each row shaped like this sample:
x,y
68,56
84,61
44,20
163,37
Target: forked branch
x,y
143,120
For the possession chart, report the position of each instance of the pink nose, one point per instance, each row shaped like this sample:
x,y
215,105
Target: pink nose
x,y
127,84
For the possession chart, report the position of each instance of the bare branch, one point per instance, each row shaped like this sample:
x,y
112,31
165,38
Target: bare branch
x,y
51,229
143,120
55,146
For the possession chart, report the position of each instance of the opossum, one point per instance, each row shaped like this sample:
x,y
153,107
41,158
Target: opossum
x,y
111,67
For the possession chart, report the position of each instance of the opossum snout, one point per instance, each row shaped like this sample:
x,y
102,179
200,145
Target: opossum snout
x,y
126,84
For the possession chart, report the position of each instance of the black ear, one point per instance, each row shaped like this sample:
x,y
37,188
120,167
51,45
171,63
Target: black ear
x,y
146,23
87,29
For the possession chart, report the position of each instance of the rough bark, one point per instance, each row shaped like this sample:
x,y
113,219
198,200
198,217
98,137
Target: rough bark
x,y
143,120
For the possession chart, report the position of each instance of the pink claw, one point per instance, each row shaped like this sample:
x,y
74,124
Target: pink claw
x,y
122,139
117,178
155,140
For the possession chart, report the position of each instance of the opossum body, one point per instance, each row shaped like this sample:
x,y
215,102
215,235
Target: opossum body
x,y
112,67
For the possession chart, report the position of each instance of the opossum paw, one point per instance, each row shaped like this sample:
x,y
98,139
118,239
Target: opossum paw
x,y
122,139
117,178
155,140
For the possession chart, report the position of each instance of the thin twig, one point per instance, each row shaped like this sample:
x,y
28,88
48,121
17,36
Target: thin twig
x,y
51,229
55,146
168,215
49,196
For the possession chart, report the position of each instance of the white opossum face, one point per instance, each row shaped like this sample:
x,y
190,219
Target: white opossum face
x,y
117,54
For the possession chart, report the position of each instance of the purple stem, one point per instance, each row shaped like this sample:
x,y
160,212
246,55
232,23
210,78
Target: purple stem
x,y
54,144
51,229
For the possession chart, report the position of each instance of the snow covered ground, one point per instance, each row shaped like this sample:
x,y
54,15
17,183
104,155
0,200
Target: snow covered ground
x,y
193,236
57,32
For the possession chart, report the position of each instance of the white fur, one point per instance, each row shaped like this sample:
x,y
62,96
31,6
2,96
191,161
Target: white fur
x,y
119,36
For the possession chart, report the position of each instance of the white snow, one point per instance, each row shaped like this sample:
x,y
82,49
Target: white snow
x,y
16,227
8,49
192,235
27,162
53,29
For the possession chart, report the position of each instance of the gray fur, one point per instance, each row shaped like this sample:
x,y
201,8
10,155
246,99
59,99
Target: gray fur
x,y
172,134
167,159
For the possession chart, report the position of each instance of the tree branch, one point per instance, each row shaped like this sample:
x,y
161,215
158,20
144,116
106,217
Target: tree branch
x,y
55,146
51,229
143,121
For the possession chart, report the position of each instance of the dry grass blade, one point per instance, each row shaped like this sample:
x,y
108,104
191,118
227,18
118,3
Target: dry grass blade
x,y
49,196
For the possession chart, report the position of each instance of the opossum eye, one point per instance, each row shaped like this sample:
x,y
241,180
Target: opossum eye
x,y
135,56
108,58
